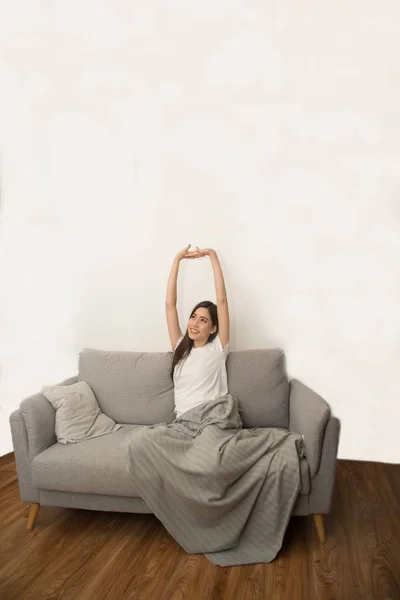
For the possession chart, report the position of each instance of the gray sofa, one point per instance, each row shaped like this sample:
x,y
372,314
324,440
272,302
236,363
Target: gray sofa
x,y
136,389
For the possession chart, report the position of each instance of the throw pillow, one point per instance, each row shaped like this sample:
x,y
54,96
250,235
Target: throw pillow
x,y
78,414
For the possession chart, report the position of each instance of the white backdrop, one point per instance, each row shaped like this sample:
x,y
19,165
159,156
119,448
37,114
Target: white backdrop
x,y
267,130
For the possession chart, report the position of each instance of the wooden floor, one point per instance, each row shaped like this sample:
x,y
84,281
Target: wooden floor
x,y
82,555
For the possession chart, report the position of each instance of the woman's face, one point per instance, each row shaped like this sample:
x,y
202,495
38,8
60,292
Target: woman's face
x,y
200,326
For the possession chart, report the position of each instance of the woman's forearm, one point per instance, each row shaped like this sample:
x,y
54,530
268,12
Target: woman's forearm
x,y
220,289
171,297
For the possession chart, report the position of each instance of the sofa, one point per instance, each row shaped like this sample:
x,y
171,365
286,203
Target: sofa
x,y
135,389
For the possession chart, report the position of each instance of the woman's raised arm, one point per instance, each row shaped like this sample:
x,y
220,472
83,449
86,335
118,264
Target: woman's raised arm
x,y
174,329
220,291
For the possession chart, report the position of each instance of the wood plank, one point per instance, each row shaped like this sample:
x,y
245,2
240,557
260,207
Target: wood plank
x,y
7,459
101,555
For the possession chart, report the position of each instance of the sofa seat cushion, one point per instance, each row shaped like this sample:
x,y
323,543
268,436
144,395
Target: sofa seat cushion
x,y
94,466
99,466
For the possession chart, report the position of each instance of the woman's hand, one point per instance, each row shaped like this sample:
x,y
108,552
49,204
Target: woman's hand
x,y
186,254
205,251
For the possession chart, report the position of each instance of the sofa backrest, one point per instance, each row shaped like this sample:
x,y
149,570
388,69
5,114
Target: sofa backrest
x,y
136,387
259,381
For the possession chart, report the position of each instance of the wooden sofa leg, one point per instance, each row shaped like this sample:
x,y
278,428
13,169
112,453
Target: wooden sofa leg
x,y
33,513
320,525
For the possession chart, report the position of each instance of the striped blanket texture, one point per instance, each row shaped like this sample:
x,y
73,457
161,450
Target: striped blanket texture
x,y
219,489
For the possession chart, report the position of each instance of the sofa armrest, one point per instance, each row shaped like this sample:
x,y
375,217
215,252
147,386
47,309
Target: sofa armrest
x,y
27,490
320,499
40,419
308,415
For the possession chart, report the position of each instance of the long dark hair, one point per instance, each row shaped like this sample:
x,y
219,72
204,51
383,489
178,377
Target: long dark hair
x,y
186,345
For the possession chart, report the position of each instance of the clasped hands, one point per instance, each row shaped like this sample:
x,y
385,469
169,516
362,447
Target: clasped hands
x,y
198,253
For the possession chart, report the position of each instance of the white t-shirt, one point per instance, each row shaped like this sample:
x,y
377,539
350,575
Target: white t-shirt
x,y
201,376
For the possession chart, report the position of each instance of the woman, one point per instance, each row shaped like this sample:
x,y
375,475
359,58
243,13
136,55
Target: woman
x,y
199,364
218,488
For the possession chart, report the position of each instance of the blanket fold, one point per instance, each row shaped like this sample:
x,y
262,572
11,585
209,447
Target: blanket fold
x,y
219,489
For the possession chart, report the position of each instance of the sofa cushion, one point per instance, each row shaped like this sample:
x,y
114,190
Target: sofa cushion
x,y
95,466
259,380
131,387
137,388
78,415
99,466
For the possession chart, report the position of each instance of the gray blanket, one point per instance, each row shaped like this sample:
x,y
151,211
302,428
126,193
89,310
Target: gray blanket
x,y
219,489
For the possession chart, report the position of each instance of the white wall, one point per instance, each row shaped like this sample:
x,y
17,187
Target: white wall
x,y
268,130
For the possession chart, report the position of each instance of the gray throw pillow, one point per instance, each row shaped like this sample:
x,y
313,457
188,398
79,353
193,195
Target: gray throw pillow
x,y
78,414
